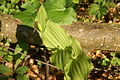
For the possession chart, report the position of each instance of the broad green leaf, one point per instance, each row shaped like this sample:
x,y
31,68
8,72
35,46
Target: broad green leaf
x,y
28,15
41,18
61,57
78,69
76,48
21,70
94,9
5,69
55,36
58,12
22,77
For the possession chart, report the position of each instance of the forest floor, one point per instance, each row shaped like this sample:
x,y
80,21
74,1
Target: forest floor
x,y
50,72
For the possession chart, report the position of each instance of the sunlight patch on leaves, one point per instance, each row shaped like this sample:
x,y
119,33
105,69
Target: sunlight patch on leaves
x,y
55,37
41,18
58,12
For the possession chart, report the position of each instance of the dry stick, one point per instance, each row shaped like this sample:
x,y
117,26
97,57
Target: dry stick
x,y
28,55
47,67
46,63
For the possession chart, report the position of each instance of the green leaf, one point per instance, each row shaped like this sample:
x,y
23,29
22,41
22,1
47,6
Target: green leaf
x,y
41,18
19,60
118,62
27,5
55,36
4,77
105,62
61,57
78,69
5,69
75,1
21,47
115,61
14,1
3,51
22,77
31,6
113,54
58,12
98,9
76,48
21,70
69,3
99,16
104,10
94,8
27,17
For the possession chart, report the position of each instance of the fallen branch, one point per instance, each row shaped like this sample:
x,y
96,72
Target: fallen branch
x,y
90,35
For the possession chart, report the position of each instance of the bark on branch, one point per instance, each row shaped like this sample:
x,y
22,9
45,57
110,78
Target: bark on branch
x,y
90,35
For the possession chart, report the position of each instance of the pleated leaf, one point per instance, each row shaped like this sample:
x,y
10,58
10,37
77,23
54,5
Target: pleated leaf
x,y
78,69
55,36
76,48
61,57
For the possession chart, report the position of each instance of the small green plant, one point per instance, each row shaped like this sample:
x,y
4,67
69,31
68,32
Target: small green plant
x,y
98,8
113,61
13,58
9,6
66,51
19,73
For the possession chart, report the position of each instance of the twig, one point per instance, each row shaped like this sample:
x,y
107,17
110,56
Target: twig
x,y
28,55
46,67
